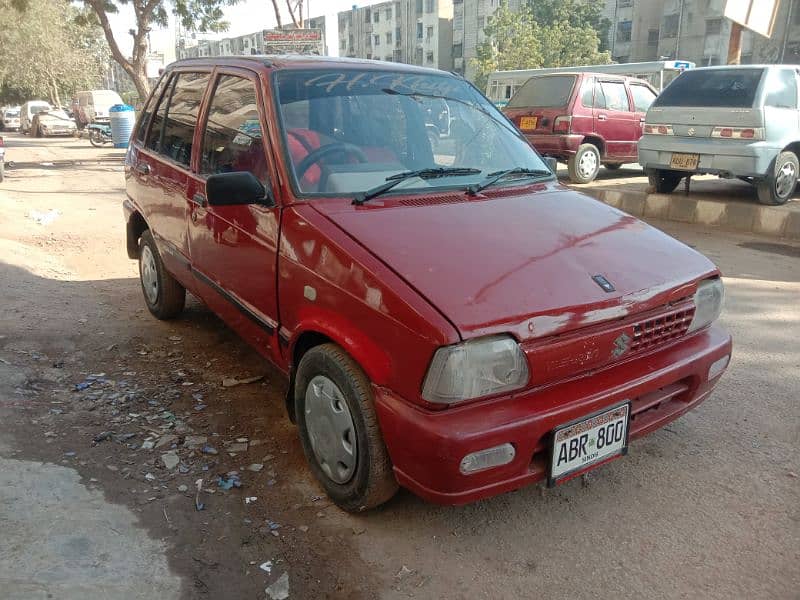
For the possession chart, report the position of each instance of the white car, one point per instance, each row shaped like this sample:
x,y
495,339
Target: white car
x,y
53,122
9,119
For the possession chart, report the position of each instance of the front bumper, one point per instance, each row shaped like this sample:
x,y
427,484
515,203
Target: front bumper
x,y
560,146
426,447
728,158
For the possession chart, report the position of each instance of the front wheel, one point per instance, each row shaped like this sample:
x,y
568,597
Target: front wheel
x,y
2,170
339,430
96,139
778,186
664,182
163,295
584,165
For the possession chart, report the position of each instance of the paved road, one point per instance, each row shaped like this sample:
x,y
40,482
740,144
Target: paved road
x,y
707,508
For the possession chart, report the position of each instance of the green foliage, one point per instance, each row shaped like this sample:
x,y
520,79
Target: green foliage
x,y
49,51
556,33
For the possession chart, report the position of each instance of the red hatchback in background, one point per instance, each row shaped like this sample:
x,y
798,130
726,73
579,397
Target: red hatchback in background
x,y
583,119
449,317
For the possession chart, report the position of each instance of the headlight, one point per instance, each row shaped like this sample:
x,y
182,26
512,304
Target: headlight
x,y
708,303
475,368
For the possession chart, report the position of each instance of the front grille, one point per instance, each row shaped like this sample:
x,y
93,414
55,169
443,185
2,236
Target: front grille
x,y
654,332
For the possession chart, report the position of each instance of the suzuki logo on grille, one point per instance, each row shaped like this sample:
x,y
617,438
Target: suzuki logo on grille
x,y
691,131
621,345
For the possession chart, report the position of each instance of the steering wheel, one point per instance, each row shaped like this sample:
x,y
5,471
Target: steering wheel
x,y
324,151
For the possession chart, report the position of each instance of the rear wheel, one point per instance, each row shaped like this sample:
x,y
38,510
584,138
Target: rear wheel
x,y
164,296
612,166
96,138
664,182
339,430
2,171
584,164
779,185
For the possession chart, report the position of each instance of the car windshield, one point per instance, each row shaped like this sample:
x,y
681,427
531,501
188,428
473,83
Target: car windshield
x,y
552,91
37,108
12,113
345,131
731,88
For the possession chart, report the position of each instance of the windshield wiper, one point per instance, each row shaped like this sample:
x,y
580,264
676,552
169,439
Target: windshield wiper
x,y
398,178
496,176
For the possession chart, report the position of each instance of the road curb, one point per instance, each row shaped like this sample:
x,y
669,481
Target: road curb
x,y
772,221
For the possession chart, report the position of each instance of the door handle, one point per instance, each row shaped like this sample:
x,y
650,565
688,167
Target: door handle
x,y
143,168
199,199
601,117
641,120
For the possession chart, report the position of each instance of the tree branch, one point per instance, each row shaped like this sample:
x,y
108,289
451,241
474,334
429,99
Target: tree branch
x,y
277,13
102,16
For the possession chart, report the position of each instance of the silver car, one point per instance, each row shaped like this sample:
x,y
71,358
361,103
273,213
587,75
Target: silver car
x,y
732,121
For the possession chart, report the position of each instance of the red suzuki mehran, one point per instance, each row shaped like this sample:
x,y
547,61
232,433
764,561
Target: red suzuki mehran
x,y
450,318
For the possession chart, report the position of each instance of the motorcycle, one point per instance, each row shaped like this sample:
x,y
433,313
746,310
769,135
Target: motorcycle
x,y
2,160
99,134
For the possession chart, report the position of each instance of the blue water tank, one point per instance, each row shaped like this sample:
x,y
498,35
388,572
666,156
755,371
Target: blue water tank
x,y
123,118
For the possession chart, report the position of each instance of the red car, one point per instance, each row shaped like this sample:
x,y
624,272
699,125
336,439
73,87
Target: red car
x,y
451,320
583,119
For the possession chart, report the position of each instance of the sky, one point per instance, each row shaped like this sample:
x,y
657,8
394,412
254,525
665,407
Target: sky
x,y
245,17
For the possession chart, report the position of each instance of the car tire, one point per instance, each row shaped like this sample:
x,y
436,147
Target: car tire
x,y
612,166
779,185
339,430
2,171
38,132
584,165
663,182
163,295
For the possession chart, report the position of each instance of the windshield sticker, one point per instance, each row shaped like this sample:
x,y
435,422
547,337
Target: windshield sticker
x,y
397,82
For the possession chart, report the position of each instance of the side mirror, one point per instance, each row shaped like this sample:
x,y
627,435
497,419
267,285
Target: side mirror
x,y
241,187
551,163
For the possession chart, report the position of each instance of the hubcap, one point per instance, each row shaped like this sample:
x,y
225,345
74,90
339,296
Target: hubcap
x,y
785,180
330,429
149,275
587,164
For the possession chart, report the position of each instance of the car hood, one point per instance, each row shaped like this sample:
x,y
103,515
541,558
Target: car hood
x,y
522,260
55,117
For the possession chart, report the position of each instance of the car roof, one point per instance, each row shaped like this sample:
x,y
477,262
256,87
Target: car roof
x,y
589,74
301,61
758,66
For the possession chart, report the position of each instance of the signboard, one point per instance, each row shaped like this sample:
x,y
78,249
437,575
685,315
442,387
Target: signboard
x,y
755,15
293,41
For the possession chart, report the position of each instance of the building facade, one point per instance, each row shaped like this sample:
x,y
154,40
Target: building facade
x,y
418,32
695,30
469,19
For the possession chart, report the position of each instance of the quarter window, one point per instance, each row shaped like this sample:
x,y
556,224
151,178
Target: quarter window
x,y
233,139
149,108
782,89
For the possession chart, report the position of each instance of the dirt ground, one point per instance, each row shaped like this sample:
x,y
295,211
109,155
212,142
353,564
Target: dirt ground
x,y
706,508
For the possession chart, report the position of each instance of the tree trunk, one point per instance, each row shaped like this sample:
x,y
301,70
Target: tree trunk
x,y
277,13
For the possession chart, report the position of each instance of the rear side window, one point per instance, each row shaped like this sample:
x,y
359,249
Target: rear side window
x,y
233,140
615,95
731,88
149,108
181,117
782,89
544,92
643,97
157,128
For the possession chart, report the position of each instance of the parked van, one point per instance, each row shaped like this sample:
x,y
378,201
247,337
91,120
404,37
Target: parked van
x,y
28,110
92,106
448,316
732,121
582,119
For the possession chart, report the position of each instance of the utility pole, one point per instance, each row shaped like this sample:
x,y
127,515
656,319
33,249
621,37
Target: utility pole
x,y
786,31
680,30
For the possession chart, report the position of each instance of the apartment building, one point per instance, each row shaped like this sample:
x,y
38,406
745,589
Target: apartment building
x,y
418,32
469,19
695,30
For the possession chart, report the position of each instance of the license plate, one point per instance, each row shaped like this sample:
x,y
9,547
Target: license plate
x,y
684,161
582,444
528,122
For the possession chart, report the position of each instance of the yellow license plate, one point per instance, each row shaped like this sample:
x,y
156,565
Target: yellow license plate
x,y
687,162
528,122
